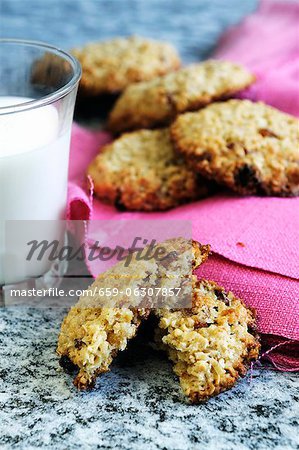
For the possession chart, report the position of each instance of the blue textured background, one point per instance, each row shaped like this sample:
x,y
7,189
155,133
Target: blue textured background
x,y
193,26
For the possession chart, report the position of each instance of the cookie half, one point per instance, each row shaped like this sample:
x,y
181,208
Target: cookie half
x,y
212,344
100,325
110,66
249,147
159,101
141,171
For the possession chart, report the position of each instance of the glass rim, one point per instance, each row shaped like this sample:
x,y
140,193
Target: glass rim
x,y
54,96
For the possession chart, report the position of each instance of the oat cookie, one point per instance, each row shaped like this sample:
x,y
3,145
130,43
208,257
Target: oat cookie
x,y
212,344
99,326
140,171
251,148
157,102
50,72
110,66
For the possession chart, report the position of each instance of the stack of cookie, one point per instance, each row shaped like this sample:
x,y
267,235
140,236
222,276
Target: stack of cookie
x,y
250,148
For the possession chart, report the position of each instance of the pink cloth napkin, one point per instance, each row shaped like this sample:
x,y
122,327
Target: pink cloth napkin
x,y
254,240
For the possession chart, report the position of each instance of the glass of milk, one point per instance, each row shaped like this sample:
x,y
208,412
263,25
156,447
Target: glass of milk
x,y
38,86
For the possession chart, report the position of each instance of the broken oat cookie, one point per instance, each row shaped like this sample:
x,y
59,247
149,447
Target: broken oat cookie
x,y
98,326
208,333
210,344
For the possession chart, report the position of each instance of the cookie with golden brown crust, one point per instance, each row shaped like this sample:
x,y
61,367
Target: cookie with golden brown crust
x,y
249,147
212,344
159,101
110,66
100,324
141,171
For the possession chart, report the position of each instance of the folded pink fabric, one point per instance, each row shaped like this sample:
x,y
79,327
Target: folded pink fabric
x,y
267,42
254,240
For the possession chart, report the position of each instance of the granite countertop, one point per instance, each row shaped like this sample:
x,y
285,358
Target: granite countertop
x,y
138,404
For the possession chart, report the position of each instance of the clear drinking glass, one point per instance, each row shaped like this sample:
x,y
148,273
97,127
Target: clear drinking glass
x,y
38,86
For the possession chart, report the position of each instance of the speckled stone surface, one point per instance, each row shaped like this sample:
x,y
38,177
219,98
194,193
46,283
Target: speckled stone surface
x,y
138,405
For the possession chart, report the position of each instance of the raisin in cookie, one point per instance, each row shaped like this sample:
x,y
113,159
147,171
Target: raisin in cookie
x,y
211,344
100,325
157,102
140,171
110,66
251,148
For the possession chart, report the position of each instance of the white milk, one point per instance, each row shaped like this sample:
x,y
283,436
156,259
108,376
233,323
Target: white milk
x,y
33,180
